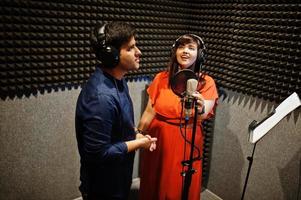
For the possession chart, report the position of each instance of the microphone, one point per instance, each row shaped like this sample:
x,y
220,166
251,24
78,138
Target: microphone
x,y
189,99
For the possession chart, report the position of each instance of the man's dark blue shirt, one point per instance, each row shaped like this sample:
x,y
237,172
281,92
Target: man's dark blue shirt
x,y
104,121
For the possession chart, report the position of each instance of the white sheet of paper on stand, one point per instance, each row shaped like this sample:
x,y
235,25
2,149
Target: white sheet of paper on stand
x,y
288,105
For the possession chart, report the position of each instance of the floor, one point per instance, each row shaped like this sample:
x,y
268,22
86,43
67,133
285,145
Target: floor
x,y
205,195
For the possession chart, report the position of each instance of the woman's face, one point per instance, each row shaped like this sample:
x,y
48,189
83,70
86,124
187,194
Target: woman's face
x,y
186,54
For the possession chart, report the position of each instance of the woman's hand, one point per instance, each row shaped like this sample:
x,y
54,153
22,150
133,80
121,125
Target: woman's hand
x,y
200,102
205,106
148,142
141,141
153,145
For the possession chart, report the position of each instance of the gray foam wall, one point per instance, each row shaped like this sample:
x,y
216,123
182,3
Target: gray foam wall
x,y
38,152
39,158
275,173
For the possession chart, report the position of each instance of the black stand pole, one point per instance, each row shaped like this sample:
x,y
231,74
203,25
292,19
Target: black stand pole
x,y
188,173
250,159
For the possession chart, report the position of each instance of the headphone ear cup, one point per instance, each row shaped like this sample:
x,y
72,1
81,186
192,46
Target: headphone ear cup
x,y
110,56
172,50
106,54
173,47
201,56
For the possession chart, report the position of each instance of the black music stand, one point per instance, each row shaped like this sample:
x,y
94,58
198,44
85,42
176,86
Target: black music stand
x,y
258,129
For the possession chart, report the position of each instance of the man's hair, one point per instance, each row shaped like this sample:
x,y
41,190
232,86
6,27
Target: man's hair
x,y
107,39
118,33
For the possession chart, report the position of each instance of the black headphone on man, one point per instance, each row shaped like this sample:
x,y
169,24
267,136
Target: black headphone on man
x,y
107,54
202,54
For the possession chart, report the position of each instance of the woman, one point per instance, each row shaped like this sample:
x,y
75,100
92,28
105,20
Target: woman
x,y
161,170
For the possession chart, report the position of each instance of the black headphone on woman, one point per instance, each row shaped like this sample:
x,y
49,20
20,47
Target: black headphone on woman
x,y
107,54
202,54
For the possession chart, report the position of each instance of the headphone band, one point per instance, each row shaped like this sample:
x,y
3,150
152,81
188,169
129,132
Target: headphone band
x,y
201,41
194,35
201,51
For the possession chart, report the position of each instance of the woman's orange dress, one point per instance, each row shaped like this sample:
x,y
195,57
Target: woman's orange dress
x,y
161,169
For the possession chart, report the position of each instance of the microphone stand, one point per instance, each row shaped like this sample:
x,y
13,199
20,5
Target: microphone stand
x,y
190,171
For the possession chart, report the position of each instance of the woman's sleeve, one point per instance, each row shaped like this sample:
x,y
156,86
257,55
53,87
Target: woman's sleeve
x,y
209,92
153,89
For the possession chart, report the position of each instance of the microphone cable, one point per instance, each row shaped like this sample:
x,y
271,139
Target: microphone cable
x,y
184,135
186,141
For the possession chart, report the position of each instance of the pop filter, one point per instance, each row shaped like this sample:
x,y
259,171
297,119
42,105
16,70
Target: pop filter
x,y
179,81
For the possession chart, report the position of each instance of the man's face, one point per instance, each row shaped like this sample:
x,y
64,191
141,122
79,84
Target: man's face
x,y
129,56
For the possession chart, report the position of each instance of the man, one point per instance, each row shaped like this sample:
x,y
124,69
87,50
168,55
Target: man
x,y
104,122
